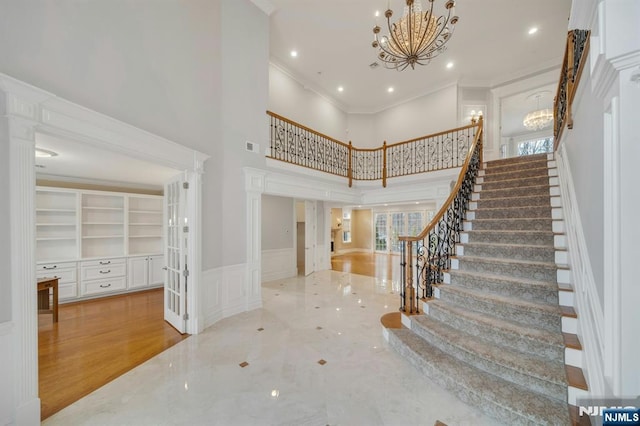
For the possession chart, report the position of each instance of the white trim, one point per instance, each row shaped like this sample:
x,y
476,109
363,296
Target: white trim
x,y
265,5
587,304
278,264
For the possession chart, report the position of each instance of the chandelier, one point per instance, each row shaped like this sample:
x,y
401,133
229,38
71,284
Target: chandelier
x,y
538,119
417,37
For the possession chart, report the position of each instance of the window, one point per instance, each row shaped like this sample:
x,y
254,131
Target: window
x,y
389,226
536,146
381,232
346,226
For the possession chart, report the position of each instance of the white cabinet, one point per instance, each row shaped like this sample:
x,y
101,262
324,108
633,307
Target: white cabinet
x,y
99,242
146,271
103,276
66,272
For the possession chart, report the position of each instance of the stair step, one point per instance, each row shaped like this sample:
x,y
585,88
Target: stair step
x,y
507,202
496,175
510,251
513,212
516,167
516,182
518,159
524,312
527,339
575,377
542,238
509,286
572,341
518,224
513,404
540,271
520,191
542,375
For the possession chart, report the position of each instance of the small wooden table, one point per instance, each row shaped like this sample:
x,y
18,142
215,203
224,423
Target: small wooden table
x,y
44,306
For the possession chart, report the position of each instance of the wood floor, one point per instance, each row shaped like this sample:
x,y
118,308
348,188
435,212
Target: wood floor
x,y
382,266
96,341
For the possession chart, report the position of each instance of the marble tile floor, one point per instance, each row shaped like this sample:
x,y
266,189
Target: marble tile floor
x,y
265,367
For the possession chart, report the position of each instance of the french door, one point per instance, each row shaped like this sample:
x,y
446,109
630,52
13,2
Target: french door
x,y
390,226
176,249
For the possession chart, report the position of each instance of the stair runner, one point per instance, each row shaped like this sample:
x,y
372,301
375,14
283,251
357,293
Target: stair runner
x,y
493,333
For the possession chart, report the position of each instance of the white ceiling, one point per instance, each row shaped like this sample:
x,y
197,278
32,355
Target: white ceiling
x,y
490,46
83,161
514,108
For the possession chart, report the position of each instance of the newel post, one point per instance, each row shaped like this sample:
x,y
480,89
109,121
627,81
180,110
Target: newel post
x,y
350,171
384,164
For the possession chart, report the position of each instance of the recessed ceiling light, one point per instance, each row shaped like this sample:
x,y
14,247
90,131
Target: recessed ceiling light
x,y
533,30
377,13
340,89
390,89
45,153
449,64
294,53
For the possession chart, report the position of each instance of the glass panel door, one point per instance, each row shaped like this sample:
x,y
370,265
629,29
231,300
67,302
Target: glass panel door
x,y
381,231
397,229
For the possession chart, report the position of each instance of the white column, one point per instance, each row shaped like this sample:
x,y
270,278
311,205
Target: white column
x,y
23,277
254,187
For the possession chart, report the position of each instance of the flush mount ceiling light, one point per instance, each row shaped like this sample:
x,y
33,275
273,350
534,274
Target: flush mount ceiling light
x,y
45,153
417,37
539,118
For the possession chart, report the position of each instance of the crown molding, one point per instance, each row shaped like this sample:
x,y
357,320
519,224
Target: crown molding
x,y
265,5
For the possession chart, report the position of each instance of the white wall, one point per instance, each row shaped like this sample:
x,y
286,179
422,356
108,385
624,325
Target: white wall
x,y
362,131
277,221
422,116
292,100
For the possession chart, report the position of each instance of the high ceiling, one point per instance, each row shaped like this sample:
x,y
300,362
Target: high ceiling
x,y
491,45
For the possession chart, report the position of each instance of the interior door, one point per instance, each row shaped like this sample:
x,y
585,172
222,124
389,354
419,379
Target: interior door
x,y
177,231
310,221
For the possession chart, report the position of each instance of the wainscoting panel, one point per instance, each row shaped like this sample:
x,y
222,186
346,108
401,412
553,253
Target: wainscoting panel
x,y
278,264
225,293
587,304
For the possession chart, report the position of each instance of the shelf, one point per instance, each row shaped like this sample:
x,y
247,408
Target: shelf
x,y
145,236
55,210
101,236
55,238
103,223
146,211
145,224
55,224
103,208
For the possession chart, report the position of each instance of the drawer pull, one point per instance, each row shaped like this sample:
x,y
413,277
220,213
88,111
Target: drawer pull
x,y
105,272
108,262
105,286
50,267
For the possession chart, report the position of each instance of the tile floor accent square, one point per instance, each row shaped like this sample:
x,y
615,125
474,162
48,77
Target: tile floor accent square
x,y
261,329
322,362
243,364
318,328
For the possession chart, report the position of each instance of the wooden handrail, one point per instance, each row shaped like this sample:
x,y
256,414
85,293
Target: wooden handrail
x,y
273,114
457,129
455,190
570,74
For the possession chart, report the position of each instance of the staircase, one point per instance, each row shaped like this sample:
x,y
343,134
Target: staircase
x,y
493,335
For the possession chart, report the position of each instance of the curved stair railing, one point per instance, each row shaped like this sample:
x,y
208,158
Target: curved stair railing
x,y
296,144
434,246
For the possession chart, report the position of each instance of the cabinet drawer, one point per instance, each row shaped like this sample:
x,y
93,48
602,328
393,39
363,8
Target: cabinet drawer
x,y
103,286
103,262
102,272
63,275
67,291
55,266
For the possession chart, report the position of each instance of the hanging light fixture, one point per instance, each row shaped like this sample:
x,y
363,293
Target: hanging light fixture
x,y
539,118
417,37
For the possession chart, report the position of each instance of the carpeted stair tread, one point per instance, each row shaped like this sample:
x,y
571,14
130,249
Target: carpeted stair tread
x,y
530,339
495,176
513,404
521,201
518,159
538,212
519,223
543,271
515,182
542,238
515,192
518,167
495,359
525,288
507,308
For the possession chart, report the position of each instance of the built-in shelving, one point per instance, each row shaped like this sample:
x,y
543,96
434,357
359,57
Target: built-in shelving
x,y
56,224
145,225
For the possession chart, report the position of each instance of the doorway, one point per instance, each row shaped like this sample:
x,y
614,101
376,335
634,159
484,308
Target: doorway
x,y
306,236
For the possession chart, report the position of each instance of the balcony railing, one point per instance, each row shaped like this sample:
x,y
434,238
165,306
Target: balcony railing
x,y
294,143
575,56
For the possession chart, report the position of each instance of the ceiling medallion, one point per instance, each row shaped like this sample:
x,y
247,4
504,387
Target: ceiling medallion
x,y
417,37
